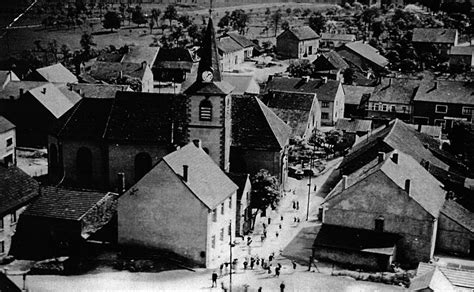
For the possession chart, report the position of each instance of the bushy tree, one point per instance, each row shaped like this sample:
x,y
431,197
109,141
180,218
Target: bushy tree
x,y
275,20
196,33
300,68
185,20
170,13
285,25
138,17
111,20
317,22
265,191
239,20
87,42
225,20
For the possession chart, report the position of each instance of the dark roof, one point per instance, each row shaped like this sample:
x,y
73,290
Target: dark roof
x,y
175,58
7,285
204,88
362,240
5,125
458,92
330,61
228,45
302,33
353,125
365,51
241,40
67,204
434,35
16,188
240,179
205,179
255,126
353,93
459,214
395,90
110,71
139,54
147,117
396,136
325,91
338,37
98,90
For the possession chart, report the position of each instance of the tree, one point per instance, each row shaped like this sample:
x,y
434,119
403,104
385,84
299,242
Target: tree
x,y
155,14
138,17
300,68
285,25
66,52
348,76
170,13
317,138
225,20
265,190
335,140
317,22
196,33
87,42
239,20
276,19
111,20
185,20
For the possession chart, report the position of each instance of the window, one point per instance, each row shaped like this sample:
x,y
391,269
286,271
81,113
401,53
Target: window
x,y
230,203
440,122
310,50
392,108
384,107
222,208
325,116
9,141
213,241
325,104
205,110
376,107
13,218
441,109
214,215
379,224
466,110
404,109
1,223
222,234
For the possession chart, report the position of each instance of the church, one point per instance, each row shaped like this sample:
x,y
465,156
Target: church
x,y
111,143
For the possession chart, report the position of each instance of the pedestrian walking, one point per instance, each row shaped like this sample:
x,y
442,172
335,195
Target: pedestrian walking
x,y
264,226
297,205
298,220
259,289
294,219
220,269
263,262
224,289
258,261
282,287
270,258
265,234
245,265
214,279
294,265
262,237
276,234
279,226
252,263
281,218
277,271
269,220
294,205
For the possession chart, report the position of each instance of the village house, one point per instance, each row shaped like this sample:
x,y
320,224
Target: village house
x,y
355,100
330,94
259,139
330,65
61,220
88,90
243,213
441,103
433,131
56,73
140,54
186,204
172,65
298,43
443,38
301,111
334,40
244,84
231,52
462,58
8,142
391,194
363,57
461,279
244,42
17,190
354,129
393,98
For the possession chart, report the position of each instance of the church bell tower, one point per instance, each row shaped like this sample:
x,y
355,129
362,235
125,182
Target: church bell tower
x,y
210,103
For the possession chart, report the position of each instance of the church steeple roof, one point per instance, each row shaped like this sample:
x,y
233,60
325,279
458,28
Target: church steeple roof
x,y
209,54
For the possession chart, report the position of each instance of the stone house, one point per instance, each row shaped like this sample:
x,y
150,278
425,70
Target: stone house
x,y
354,129
172,65
461,57
245,43
433,280
443,38
461,279
329,93
231,52
243,214
330,65
115,72
363,58
186,204
8,142
56,73
17,190
355,100
297,43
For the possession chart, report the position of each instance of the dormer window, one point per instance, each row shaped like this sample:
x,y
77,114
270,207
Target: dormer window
x,y
205,110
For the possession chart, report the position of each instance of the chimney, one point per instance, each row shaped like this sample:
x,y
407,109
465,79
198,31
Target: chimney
x,y
344,182
381,157
419,128
120,74
69,86
395,157
185,172
143,65
435,85
43,91
22,91
389,81
407,186
121,183
197,143
325,79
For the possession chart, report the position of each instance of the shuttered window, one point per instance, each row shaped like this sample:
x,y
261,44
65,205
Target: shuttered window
x,y
205,110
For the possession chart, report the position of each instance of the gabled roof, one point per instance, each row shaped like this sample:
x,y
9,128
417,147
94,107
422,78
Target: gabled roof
x,y
255,126
5,125
66,204
338,37
459,214
241,180
16,188
241,40
73,96
461,51
110,71
332,59
53,99
458,277
367,52
457,92
301,33
243,84
228,45
205,179
174,58
395,90
204,88
396,136
7,76
325,91
354,93
434,35
147,117
139,54
98,90
353,125
57,73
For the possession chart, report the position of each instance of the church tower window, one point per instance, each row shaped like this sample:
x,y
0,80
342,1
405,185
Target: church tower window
x,y
205,110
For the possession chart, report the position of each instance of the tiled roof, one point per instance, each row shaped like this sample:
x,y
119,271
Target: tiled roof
x,y
325,91
458,277
303,33
228,45
139,54
16,188
368,241
354,93
5,125
461,51
73,96
424,188
110,71
457,92
396,136
57,73
434,35
337,37
98,90
241,40
175,58
395,90
255,126
53,99
332,59
366,51
147,117
242,83
205,179
67,204
459,214
354,125
12,89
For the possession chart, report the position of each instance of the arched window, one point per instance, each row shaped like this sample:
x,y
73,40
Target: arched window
x,y
205,110
84,163
53,157
142,165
